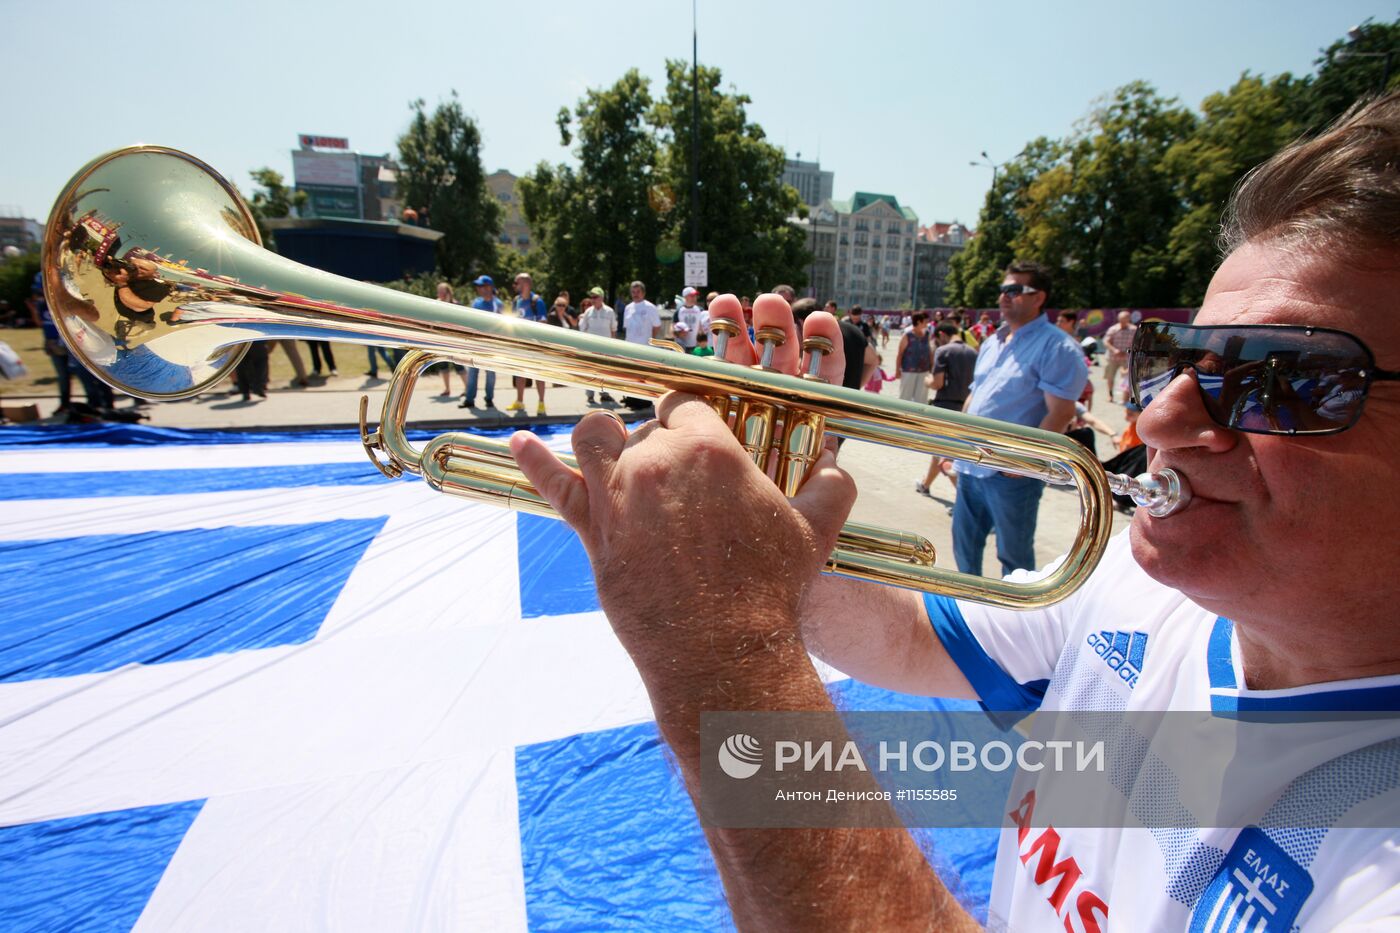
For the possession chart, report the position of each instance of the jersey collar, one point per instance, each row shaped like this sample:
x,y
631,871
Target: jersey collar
x,y
1367,694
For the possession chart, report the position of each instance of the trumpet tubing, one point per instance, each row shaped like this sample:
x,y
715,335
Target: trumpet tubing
x,y
157,280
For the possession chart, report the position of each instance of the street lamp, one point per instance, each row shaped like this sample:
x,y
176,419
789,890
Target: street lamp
x,y
994,166
1355,34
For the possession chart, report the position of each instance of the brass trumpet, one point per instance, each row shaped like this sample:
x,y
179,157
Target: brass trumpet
x,y
156,277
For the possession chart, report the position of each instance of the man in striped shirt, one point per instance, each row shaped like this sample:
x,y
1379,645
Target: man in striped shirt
x,y
1119,338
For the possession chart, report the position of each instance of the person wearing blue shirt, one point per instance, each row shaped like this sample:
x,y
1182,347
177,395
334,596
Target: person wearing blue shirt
x,y
532,308
1028,372
486,300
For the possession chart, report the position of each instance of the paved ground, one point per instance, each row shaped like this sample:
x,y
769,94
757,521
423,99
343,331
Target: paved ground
x,y
886,476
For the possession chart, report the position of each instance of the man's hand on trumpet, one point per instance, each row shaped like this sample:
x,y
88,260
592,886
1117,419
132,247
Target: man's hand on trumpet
x,y
701,563
681,494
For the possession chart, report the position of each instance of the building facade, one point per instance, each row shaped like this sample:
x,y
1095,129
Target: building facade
x,y
514,231
819,228
23,233
874,265
934,247
341,183
812,184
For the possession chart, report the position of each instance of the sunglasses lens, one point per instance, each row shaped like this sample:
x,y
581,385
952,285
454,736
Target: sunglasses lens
x,y
1258,379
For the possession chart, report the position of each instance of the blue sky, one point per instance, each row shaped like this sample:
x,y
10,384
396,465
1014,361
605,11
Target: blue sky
x,y
896,97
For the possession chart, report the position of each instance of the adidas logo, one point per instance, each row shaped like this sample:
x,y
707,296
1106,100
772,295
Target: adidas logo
x,y
1123,652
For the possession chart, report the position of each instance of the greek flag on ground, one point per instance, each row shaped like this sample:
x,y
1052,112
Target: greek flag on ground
x,y
247,683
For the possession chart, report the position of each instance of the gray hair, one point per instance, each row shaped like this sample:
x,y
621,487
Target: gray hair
x,y
1339,190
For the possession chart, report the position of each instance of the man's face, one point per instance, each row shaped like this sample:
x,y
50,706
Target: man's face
x,y
1065,324
690,301
522,287
1025,307
1124,318
1279,523
486,291
638,293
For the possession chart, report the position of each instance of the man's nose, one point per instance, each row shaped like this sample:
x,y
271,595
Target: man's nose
x,y
1177,418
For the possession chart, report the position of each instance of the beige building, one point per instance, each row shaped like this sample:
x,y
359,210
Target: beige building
x,y
874,264
514,231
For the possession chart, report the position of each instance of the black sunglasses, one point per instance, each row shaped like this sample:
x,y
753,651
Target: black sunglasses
x,y
1260,378
1014,289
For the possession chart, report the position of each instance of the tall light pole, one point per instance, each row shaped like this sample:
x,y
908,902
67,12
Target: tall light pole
x,y
694,130
1356,34
994,166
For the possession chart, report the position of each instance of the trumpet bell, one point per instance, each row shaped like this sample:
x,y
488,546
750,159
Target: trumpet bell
x,y
116,294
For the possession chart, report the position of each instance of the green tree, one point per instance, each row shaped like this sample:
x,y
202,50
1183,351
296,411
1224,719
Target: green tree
x,y
975,272
440,171
1349,69
602,222
1102,217
744,205
17,278
272,199
1239,129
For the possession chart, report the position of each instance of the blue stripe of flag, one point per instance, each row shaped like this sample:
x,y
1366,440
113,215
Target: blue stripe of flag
x,y
610,840
104,483
93,872
95,603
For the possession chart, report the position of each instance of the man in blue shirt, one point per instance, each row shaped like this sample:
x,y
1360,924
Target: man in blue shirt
x,y
486,300
531,307
1028,372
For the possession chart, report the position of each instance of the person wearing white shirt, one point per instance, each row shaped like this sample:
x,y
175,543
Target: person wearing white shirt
x,y
601,321
692,316
642,321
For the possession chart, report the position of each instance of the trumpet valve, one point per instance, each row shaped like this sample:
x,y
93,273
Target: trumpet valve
x,y
721,329
770,338
816,349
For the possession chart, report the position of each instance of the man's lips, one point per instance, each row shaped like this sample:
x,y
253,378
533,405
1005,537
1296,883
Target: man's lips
x,y
1203,489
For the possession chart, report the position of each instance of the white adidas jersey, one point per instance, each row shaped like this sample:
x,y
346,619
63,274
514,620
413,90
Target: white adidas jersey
x,y
1125,642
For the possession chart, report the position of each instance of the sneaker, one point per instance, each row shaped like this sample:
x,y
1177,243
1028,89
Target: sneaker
x,y
921,489
539,410
490,403
467,403
515,406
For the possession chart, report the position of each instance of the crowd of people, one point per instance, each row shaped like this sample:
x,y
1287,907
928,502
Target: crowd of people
x,y
1025,367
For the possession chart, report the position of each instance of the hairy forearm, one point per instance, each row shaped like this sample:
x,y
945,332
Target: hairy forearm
x,y
793,879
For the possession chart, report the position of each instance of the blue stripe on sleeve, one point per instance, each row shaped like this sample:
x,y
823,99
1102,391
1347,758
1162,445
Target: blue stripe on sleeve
x,y
996,689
